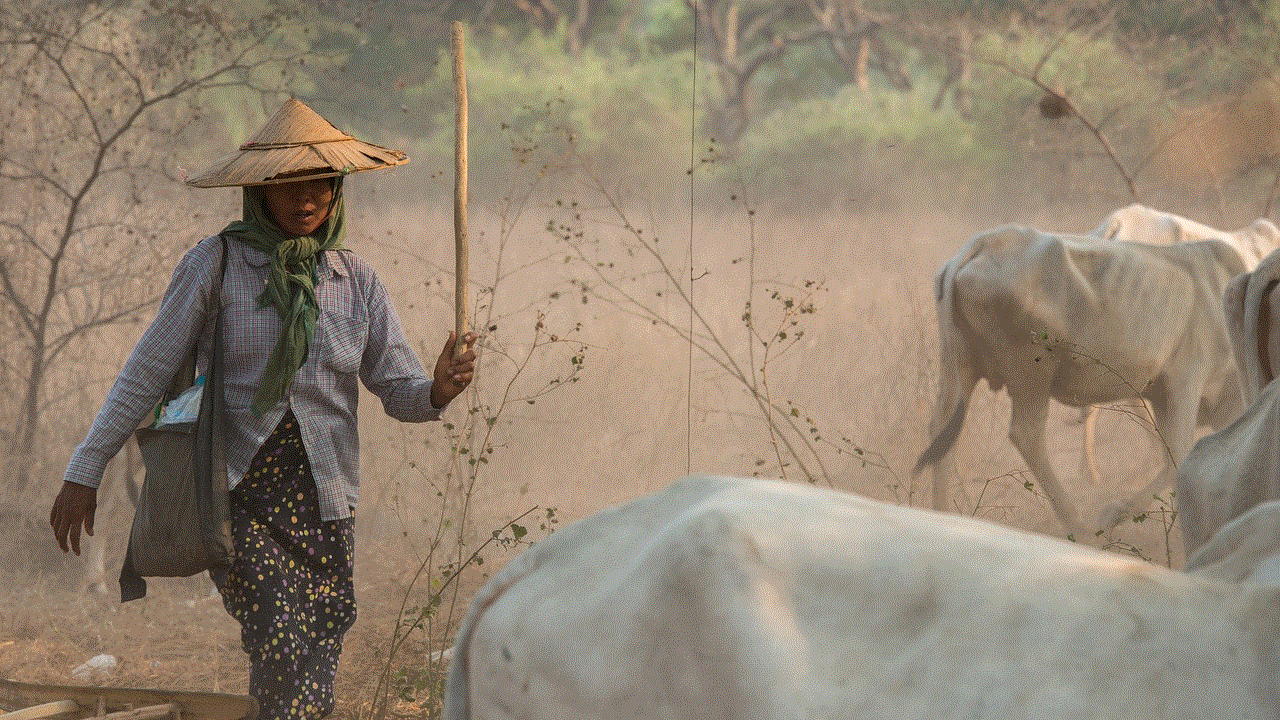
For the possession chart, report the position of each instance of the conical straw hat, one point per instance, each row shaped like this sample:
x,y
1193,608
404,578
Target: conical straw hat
x,y
292,143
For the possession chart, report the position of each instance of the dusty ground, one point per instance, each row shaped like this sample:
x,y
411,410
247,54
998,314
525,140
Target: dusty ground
x,y
180,638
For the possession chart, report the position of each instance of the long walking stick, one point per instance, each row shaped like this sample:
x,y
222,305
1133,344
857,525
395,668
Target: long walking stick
x,y
460,190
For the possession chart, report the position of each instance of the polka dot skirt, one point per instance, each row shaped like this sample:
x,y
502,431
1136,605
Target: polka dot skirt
x,y
290,586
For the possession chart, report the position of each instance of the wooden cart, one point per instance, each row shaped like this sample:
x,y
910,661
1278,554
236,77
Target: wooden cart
x,y
29,701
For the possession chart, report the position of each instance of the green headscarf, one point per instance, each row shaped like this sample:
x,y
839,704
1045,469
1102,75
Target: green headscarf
x,y
291,284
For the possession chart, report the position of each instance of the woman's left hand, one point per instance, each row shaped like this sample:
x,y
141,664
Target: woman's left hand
x,y
453,372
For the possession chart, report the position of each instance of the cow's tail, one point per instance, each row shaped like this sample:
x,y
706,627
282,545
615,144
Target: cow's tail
x,y
956,372
944,440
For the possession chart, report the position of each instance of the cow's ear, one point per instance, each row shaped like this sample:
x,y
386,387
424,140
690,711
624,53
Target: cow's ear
x,y
1245,549
1269,333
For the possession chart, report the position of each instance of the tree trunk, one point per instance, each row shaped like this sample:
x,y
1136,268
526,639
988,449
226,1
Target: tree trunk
x,y
577,27
860,64
28,420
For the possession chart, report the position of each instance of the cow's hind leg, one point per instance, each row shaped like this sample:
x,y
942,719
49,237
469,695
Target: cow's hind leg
x,y
1175,414
1088,451
1027,432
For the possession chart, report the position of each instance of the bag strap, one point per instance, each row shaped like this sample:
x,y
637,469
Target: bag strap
x,y
186,375
212,496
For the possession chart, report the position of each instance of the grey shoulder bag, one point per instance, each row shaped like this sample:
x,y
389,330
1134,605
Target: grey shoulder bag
x,y
182,525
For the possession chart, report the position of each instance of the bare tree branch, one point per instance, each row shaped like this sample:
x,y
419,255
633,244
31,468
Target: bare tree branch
x,y
89,83
1094,128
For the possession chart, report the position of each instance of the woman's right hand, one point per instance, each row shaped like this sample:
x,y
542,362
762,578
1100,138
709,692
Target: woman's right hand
x,y
74,507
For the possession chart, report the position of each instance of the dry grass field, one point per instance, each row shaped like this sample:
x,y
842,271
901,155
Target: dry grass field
x,y
645,409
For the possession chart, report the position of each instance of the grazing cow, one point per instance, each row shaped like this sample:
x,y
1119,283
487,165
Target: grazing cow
x,y
1234,469
1081,322
734,599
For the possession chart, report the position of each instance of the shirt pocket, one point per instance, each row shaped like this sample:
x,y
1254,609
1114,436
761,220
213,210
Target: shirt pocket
x,y
341,342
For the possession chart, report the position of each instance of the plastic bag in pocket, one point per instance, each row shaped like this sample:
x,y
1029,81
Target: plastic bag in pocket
x,y
185,408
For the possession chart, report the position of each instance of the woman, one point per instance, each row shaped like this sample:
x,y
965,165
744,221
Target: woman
x,y
302,319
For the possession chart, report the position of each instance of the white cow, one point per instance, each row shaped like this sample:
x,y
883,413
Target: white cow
x,y
1246,552
1081,322
1230,471
1140,223
1251,302
733,599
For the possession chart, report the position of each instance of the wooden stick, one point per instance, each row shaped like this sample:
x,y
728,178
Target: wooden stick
x,y
103,702
49,709
460,190
150,712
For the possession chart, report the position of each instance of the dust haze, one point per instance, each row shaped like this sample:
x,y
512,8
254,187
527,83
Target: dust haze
x,y
590,392
856,374
649,406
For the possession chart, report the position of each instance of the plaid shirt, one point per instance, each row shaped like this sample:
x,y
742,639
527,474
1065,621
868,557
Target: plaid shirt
x,y
357,334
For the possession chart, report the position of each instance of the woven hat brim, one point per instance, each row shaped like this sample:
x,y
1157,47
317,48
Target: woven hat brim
x,y
253,166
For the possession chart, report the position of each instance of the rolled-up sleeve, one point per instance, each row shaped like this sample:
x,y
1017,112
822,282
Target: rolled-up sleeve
x,y
390,368
151,366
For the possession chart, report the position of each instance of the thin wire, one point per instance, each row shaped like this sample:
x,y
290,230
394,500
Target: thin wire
x,y
693,154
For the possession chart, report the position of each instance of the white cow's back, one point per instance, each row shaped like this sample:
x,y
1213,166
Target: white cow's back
x,y
1139,223
727,598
